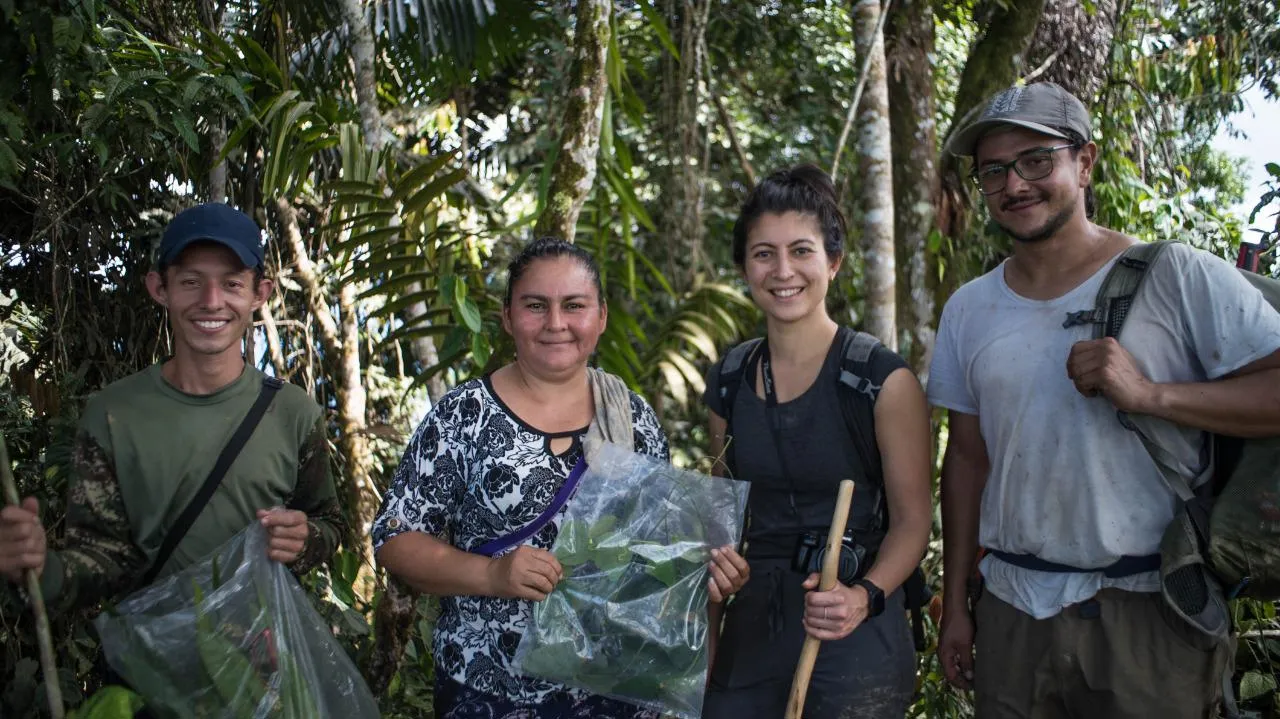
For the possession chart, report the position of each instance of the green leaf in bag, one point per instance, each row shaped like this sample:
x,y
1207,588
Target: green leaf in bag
x,y
231,672
109,702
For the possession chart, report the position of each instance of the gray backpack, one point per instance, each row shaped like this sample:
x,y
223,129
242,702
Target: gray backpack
x,y
1225,539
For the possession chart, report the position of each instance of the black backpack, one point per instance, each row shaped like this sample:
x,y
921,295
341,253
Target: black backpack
x,y
857,405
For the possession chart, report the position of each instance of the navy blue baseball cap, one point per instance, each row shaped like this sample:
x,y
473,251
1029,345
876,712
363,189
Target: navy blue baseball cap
x,y
212,222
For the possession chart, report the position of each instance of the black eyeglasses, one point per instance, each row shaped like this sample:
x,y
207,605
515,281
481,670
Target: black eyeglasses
x,y
1034,164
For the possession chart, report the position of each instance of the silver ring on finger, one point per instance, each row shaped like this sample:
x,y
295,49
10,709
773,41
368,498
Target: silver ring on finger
x,y
825,610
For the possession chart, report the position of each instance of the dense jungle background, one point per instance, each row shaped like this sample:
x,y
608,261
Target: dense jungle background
x,y
398,152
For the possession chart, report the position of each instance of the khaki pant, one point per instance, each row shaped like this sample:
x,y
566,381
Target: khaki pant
x,y
1119,655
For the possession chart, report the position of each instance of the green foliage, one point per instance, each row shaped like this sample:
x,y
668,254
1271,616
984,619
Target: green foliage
x,y
110,702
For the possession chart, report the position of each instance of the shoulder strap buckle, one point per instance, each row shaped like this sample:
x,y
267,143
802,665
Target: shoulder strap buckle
x,y
1084,317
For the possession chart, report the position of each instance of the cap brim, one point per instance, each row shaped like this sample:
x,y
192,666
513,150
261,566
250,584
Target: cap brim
x,y
963,143
246,257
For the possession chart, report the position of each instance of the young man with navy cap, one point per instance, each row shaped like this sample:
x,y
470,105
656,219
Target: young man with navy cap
x,y
1046,466
149,443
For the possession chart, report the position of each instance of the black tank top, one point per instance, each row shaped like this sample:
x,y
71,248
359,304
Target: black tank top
x,y
798,495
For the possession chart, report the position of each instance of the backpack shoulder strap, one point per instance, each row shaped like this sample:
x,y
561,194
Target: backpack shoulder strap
x,y
858,398
1114,302
731,370
1119,288
858,395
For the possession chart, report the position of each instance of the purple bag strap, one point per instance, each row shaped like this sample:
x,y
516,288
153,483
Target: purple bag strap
x,y
562,498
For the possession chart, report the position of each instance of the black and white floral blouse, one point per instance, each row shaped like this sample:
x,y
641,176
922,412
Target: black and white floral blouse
x,y
474,472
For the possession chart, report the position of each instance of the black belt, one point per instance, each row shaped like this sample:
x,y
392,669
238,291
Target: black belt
x,y
1125,566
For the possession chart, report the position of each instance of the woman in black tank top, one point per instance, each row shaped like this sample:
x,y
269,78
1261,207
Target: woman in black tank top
x,y
791,440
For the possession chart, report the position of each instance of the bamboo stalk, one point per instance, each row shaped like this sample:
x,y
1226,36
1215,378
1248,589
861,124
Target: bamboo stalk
x,y
53,690
830,571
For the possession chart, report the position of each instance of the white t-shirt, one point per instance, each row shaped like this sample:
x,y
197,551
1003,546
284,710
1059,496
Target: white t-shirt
x,y
1068,482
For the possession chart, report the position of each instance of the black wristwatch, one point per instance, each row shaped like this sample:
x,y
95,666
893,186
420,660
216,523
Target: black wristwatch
x,y
875,597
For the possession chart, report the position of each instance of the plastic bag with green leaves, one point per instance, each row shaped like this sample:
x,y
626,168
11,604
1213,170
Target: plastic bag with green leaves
x,y
629,619
232,637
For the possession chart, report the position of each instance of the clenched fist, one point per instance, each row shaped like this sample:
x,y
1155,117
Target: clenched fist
x,y
1103,367
525,573
287,532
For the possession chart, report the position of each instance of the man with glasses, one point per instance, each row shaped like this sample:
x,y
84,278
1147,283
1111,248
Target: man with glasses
x,y
1039,469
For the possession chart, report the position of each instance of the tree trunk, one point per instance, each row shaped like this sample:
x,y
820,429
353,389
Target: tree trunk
x,y
875,160
424,348
995,61
353,444
909,45
211,15
218,173
342,360
575,168
682,186
360,39
392,627
274,349
376,135
1071,46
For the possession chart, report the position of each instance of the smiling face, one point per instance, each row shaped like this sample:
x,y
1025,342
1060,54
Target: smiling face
x,y
555,316
1035,210
786,267
211,298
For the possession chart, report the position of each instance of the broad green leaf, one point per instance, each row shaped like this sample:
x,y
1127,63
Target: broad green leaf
x,y
659,26
691,374
1255,684
109,702
433,190
408,335
400,303
469,314
401,285
481,350
188,133
448,289
697,336
459,291
373,238
675,383
412,180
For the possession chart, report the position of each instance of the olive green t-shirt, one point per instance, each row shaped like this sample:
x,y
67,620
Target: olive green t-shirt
x,y
144,450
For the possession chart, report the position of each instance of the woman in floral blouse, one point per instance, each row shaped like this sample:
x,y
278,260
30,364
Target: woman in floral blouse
x,y
484,464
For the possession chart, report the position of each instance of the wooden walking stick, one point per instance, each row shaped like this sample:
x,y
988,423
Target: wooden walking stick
x,y
53,691
827,580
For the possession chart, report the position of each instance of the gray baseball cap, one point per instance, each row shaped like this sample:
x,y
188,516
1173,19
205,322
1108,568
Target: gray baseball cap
x,y
1043,106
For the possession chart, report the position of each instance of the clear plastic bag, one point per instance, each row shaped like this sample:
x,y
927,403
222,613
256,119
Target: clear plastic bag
x,y
233,636
629,619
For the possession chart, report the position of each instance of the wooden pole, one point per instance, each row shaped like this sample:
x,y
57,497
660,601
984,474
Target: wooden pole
x,y
52,689
830,572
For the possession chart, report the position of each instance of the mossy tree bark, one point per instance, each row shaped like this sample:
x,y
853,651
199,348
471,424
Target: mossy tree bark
x,y
875,186
909,46
575,168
